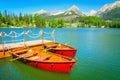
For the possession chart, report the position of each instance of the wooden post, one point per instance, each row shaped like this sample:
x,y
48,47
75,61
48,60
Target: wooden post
x,y
30,32
2,35
24,39
53,35
42,37
12,39
13,36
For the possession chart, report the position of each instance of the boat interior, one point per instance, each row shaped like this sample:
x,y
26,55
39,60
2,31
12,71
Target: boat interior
x,y
55,45
38,53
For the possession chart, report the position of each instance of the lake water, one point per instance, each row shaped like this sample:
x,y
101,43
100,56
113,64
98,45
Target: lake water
x,y
98,56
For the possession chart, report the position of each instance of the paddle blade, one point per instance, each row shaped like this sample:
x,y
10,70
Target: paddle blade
x,y
15,58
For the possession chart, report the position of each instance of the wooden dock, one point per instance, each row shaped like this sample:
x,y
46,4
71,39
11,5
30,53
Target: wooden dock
x,y
16,45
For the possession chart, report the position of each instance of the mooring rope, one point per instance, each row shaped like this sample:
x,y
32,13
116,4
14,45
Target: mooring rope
x,y
28,33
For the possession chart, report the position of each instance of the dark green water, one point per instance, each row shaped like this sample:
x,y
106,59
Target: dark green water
x,y
98,57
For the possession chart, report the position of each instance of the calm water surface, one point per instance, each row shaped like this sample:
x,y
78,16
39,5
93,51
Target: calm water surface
x,y
98,56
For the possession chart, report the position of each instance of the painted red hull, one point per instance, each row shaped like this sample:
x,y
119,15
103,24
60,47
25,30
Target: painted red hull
x,y
54,67
65,67
70,53
62,49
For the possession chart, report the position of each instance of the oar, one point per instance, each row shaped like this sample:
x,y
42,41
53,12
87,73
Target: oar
x,y
25,55
16,58
19,57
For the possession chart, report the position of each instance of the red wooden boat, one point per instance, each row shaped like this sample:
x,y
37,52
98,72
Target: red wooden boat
x,y
44,60
61,49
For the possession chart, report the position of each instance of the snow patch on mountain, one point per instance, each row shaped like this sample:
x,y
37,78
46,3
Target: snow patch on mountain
x,y
42,11
57,12
91,13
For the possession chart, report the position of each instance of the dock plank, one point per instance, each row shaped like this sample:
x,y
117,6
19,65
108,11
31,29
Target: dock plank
x,y
21,44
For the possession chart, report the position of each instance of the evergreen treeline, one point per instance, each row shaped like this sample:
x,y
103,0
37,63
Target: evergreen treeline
x,y
92,21
12,20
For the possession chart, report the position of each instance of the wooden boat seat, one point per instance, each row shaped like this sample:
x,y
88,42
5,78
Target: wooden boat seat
x,y
27,55
58,48
18,49
19,52
38,58
52,46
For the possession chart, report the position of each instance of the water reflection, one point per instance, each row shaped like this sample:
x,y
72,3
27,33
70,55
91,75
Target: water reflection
x,y
18,71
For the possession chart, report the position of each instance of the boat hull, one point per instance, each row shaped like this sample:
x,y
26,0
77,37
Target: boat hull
x,y
70,53
65,67
54,67
61,49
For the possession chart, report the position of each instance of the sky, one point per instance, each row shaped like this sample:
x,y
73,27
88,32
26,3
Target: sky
x,y
30,6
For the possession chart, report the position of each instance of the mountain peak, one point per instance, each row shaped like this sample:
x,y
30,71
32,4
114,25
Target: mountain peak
x,y
91,13
108,7
74,7
72,10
